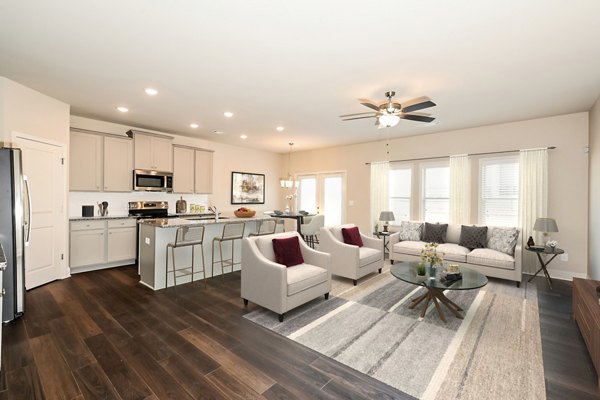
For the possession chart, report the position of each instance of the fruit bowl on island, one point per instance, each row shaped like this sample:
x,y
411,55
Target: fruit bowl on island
x,y
244,212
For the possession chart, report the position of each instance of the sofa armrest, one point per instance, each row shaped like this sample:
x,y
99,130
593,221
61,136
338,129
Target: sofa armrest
x,y
314,257
263,281
394,238
341,253
373,243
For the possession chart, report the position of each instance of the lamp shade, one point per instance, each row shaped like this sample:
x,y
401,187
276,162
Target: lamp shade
x,y
545,225
386,216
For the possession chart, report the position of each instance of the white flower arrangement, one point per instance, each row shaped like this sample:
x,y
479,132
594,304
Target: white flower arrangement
x,y
552,243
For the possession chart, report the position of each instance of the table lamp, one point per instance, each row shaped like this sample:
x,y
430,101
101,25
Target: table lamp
x,y
386,216
545,225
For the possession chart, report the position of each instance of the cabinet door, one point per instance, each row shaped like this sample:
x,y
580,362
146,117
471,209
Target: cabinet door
x,y
162,154
183,170
204,171
121,244
88,247
143,152
85,162
118,164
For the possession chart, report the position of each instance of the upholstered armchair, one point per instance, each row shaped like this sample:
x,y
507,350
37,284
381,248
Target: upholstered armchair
x,y
277,287
351,261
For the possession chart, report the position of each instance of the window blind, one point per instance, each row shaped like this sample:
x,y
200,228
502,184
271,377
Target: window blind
x,y
436,193
400,181
499,192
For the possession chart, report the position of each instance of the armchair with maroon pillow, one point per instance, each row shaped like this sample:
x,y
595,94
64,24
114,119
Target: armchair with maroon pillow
x,y
353,255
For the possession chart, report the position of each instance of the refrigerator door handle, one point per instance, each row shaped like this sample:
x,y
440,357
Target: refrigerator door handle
x,y
29,212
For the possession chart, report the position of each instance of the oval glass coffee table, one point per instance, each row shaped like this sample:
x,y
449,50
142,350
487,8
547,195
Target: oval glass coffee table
x,y
436,285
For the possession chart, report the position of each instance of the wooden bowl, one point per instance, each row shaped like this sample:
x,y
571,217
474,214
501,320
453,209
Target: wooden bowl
x,y
245,214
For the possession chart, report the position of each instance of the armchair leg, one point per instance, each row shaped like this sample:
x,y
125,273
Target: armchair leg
x,y
391,261
326,296
354,281
281,317
518,284
245,302
379,270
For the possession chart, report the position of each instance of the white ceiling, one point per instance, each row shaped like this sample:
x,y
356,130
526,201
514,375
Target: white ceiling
x,y
301,64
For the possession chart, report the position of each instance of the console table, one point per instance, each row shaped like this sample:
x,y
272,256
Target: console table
x,y
586,312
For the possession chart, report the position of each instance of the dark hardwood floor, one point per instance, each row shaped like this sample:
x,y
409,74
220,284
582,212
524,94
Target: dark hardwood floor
x,y
101,335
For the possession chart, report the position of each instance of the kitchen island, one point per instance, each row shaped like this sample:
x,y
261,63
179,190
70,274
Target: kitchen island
x,y
155,234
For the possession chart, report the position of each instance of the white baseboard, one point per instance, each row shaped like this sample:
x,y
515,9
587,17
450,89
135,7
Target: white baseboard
x,y
562,275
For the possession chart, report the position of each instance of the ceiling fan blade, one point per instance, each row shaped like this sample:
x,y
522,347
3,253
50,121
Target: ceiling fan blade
x,y
417,117
355,114
369,103
367,116
417,104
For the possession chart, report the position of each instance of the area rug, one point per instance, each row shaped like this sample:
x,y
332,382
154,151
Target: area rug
x,y
495,352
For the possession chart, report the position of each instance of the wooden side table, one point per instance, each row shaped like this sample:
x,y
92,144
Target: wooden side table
x,y
554,251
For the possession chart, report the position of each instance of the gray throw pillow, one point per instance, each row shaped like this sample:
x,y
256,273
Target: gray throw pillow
x,y
503,240
435,233
473,237
410,231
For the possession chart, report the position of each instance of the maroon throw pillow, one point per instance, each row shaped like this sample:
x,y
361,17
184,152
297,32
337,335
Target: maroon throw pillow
x,y
352,236
287,251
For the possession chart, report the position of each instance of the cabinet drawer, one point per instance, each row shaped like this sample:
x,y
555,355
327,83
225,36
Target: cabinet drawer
x,y
85,225
122,223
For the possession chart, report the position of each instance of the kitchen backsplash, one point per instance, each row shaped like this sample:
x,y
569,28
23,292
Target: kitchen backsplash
x,y
118,202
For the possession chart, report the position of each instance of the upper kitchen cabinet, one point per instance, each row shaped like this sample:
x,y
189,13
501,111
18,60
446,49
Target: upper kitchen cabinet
x,y
203,171
152,151
118,164
85,162
183,169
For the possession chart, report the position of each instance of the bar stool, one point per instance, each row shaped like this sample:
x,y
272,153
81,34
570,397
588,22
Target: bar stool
x,y
232,231
279,225
265,227
185,236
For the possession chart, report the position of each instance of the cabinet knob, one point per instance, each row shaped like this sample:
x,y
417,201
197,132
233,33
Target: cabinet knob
x,y
3,292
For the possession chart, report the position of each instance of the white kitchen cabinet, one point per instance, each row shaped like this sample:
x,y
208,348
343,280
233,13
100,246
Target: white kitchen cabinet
x,y
121,241
183,169
153,152
88,247
118,164
203,171
85,162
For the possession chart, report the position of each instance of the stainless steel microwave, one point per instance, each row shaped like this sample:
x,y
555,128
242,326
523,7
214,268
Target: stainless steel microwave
x,y
152,181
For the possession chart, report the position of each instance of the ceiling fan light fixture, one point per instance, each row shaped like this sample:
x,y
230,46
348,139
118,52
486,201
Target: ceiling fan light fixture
x,y
389,120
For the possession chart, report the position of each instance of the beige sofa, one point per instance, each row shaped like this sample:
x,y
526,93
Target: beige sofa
x,y
487,261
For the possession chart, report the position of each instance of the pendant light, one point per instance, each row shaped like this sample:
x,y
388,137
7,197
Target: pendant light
x,y
289,182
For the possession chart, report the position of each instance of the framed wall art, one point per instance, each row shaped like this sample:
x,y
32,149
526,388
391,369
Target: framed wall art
x,y
247,188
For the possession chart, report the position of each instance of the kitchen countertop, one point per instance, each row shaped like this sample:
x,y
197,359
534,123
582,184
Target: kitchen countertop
x,y
99,217
178,222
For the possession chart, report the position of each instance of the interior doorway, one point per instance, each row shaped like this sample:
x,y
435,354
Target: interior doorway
x,y
323,193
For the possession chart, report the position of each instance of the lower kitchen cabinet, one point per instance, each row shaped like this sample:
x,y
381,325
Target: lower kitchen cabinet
x,y
102,244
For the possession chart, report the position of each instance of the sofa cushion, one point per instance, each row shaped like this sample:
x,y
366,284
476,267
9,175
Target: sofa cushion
x,y
435,233
503,240
409,247
352,236
410,231
473,237
491,258
453,252
265,244
304,276
368,255
287,251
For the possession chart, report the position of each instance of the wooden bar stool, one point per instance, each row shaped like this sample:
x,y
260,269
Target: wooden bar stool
x,y
186,236
232,231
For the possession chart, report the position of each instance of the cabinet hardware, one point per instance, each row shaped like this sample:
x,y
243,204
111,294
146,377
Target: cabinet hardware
x,y
2,293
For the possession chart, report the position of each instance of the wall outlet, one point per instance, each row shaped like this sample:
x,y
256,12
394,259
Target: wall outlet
x,y
564,257
147,240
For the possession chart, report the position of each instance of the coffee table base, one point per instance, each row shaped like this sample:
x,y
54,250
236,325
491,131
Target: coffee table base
x,y
437,296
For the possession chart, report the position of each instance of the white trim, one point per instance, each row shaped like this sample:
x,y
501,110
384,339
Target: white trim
x,y
561,274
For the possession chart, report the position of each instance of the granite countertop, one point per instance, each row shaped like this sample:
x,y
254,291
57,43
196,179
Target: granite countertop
x,y
178,222
98,217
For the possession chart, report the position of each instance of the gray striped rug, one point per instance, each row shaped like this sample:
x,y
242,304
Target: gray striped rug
x,y
494,353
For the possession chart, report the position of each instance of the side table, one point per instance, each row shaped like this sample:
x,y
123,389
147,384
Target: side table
x,y
386,240
543,264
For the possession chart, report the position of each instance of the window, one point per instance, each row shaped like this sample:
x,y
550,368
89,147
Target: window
x,y
400,180
436,193
499,191
308,194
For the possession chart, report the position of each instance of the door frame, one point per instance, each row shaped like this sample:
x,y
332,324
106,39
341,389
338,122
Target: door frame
x,y
319,176
63,227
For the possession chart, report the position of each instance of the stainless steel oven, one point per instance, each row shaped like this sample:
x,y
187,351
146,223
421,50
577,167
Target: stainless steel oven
x,y
152,181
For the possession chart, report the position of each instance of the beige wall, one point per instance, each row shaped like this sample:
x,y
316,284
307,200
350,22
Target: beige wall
x,y
594,202
568,171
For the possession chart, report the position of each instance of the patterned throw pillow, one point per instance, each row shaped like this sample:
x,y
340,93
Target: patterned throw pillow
x,y
473,237
435,233
410,231
503,240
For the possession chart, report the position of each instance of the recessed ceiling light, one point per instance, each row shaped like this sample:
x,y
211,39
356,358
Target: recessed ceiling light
x,y
151,92
193,125
218,132
123,109
243,136
280,128
228,114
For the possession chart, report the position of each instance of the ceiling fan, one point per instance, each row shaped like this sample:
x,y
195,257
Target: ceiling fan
x,y
388,112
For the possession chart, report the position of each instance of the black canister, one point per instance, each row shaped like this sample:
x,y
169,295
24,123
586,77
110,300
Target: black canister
x,y
87,211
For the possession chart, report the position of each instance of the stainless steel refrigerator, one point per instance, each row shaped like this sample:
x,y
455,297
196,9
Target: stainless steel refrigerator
x,y
15,223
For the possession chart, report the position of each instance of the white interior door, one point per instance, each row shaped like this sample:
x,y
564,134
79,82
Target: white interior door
x,y
43,166
324,193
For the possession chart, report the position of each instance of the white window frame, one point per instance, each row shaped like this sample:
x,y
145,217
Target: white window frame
x,y
423,167
411,168
492,161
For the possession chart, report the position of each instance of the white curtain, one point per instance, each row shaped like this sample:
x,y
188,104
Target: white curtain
x,y
379,190
460,179
533,192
